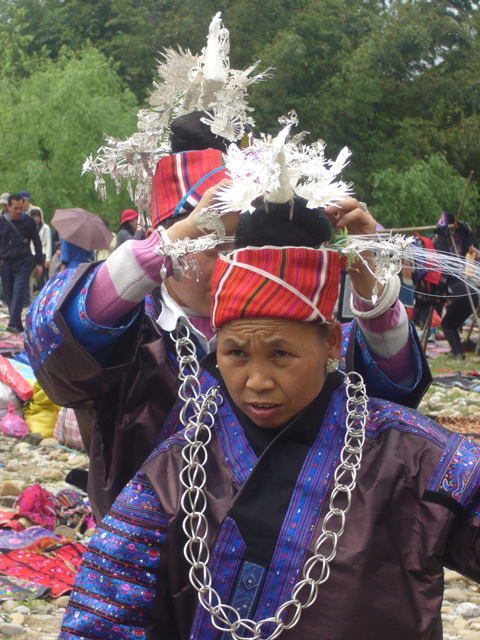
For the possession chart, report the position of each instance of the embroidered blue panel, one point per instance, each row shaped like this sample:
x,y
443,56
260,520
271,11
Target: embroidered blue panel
x,y
247,590
150,309
224,565
378,385
42,334
458,470
115,585
384,415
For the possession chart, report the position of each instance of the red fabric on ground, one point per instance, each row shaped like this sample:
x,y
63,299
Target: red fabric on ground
x,y
55,569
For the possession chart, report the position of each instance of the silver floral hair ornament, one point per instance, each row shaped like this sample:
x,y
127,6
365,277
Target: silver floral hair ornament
x,y
201,82
278,169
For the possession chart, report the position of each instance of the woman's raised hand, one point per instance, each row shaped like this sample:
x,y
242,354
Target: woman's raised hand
x,y
187,228
350,214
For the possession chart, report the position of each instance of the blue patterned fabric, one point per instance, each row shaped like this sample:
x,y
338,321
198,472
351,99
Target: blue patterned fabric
x,y
378,385
115,586
97,340
248,588
42,334
384,415
458,470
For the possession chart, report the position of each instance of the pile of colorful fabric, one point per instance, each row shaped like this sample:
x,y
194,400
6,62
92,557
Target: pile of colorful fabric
x,y
36,558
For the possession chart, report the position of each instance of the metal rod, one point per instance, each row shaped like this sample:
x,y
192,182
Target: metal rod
x,y
426,331
463,200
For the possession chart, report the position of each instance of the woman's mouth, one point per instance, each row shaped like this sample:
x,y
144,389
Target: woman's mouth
x,y
263,410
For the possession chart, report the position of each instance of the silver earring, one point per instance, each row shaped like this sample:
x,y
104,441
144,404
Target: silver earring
x,y
332,365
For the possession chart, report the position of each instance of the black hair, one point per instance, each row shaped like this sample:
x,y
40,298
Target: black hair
x,y
270,225
16,197
37,212
105,222
189,133
127,227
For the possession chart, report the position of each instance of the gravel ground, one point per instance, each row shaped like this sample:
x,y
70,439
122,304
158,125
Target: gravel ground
x,y
21,465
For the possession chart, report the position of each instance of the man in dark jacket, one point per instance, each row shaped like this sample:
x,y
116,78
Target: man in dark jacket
x,y
17,230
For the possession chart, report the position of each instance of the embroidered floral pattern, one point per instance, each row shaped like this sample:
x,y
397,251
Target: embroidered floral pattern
x,y
42,334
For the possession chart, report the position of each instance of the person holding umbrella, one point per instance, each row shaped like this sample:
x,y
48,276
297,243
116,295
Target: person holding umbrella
x,y
72,255
82,233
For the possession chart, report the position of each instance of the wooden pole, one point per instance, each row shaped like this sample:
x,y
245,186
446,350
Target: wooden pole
x,y
455,224
426,331
429,227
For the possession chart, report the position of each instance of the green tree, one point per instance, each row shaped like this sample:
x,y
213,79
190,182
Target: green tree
x,y
51,120
417,195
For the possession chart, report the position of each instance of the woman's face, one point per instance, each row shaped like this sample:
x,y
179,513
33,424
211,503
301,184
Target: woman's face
x,y
133,224
274,368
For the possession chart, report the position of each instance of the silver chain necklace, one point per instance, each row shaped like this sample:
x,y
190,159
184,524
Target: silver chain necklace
x,y
198,432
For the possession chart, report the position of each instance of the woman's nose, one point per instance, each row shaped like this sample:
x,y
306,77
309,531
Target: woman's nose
x,y
259,378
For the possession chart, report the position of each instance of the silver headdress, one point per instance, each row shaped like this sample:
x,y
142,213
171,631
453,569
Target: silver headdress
x,y
277,169
202,82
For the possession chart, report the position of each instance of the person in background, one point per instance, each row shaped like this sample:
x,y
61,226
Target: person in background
x,y
46,240
459,306
17,230
102,254
128,229
56,263
71,255
473,255
4,203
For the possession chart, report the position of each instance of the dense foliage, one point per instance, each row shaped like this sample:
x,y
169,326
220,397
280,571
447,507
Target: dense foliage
x,y
397,82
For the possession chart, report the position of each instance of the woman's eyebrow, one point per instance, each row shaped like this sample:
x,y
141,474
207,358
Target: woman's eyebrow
x,y
231,342
276,342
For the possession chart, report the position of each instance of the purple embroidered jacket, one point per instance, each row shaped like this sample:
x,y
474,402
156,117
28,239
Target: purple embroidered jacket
x,y
415,509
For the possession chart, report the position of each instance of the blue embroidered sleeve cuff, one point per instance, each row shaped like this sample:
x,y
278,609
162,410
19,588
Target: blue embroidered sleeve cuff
x,y
378,385
97,340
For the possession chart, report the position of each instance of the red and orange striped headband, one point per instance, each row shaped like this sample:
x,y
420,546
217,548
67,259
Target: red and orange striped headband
x,y
296,283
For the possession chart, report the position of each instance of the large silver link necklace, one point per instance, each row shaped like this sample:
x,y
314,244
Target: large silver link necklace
x,y
198,432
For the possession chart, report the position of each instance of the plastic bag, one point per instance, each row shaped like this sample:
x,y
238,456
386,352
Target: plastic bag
x,y
40,414
6,397
66,429
12,425
15,381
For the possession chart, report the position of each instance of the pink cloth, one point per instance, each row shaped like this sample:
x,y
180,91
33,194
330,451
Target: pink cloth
x,y
388,340
134,262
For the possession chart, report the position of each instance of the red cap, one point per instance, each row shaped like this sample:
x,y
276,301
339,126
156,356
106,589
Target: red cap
x,y
128,214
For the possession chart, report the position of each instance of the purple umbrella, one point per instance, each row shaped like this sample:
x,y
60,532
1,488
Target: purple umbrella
x,y
84,229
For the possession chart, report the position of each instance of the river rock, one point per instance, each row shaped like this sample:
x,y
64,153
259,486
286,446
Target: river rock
x,y
468,610
51,474
12,466
32,438
21,446
49,442
17,618
10,489
22,609
42,607
62,601
10,629
9,605
460,623
450,576
455,594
